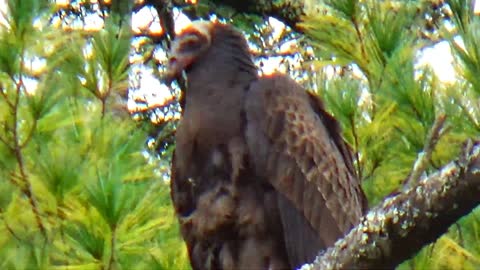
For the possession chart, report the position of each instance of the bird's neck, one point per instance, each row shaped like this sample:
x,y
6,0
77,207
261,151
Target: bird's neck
x,y
212,112
214,99
212,80
223,91
216,86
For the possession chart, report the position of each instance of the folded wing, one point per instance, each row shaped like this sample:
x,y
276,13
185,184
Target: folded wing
x,y
297,147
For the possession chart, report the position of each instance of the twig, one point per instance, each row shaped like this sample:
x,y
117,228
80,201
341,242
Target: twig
x,y
424,157
111,260
359,36
17,150
5,97
357,150
4,141
168,102
30,134
9,228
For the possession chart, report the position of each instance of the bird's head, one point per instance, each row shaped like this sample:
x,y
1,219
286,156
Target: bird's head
x,y
188,46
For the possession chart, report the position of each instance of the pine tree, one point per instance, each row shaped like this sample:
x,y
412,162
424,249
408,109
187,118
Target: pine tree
x,y
401,119
78,189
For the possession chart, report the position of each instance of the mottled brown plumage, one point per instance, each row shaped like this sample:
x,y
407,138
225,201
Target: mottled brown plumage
x,y
261,178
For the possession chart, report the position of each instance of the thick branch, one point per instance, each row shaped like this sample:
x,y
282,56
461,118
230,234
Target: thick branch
x,y
404,223
288,12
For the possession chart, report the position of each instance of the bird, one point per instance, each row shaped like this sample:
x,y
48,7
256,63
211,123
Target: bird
x,y
261,177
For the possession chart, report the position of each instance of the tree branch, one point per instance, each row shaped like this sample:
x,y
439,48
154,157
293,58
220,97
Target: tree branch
x,y
288,12
424,157
398,228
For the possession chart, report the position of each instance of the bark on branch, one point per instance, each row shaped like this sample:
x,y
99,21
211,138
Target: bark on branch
x,y
288,12
398,228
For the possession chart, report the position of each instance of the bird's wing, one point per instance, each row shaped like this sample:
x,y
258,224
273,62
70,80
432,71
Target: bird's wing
x,y
297,147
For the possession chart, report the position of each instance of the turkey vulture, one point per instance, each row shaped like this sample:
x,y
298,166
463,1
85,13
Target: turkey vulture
x,y
261,178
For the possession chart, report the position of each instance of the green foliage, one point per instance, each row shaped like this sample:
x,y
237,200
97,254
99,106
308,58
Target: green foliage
x,y
345,7
468,53
78,190
388,104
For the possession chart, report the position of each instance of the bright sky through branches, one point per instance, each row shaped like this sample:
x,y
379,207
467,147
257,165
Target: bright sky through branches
x,y
438,57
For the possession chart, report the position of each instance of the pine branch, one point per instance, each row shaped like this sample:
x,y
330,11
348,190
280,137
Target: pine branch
x,y
3,93
111,260
398,228
288,12
424,157
5,142
8,227
18,153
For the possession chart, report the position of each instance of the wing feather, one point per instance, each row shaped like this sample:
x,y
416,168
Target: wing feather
x,y
297,147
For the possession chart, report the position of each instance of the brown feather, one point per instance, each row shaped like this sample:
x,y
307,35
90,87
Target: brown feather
x,y
305,159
